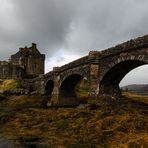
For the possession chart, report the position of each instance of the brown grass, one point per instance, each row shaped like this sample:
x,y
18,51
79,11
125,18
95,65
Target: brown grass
x,y
134,96
10,84
121,125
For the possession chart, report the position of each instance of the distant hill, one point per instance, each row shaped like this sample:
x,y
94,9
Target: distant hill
x,y
134,87
139,88
145,88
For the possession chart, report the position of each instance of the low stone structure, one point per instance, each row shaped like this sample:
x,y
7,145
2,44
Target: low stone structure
x,y
10,70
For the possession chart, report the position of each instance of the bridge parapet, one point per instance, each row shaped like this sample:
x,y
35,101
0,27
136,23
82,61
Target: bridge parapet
x,y
95,56
49,74
56,69
133,44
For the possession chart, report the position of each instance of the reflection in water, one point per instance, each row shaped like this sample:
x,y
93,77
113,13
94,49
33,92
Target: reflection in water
x,y
6,143
22,142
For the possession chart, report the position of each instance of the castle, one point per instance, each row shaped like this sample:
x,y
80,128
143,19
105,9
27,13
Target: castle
x,y
28,62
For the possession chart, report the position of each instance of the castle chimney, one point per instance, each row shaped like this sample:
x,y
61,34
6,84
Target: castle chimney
x,y
33,45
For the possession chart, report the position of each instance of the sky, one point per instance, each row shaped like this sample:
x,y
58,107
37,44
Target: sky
x,y
65,30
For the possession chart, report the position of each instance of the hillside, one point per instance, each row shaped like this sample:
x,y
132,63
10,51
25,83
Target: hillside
x,y
100,123
145,88
134,87
139,88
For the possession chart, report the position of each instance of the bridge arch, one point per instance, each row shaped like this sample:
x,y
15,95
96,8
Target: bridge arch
x,y
49,87
67,87
109,83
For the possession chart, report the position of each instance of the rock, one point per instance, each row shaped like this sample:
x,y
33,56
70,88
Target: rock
x,y
14,92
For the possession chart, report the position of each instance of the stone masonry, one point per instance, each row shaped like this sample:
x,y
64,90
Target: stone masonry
x,y
103,69
26,63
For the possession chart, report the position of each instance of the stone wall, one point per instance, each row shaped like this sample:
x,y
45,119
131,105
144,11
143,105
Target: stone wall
x,y
10,71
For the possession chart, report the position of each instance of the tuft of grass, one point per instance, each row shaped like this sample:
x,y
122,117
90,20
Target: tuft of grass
x,y
82,89
22,101
10,84
62,124
134,96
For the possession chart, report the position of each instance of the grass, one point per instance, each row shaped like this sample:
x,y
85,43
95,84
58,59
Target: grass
x,y
22,101
118,125
10,84
102,123
82,89
138,97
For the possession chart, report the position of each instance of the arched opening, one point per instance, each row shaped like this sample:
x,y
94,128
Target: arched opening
x,y
49,87
30,88
135,82
67,89
110,82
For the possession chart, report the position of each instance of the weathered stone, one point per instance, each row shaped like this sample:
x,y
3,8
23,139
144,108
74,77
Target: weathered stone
x,y
27,62
15,92
104,70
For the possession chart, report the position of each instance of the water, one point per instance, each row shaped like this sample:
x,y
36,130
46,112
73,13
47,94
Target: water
x,y
18,143
81,106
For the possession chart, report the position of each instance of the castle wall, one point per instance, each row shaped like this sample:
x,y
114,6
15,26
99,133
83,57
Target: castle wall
x,y
10,71
35,64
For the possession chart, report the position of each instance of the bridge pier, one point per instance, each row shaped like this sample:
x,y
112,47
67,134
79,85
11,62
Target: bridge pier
x,y
55,93
54,96
94,77
94,81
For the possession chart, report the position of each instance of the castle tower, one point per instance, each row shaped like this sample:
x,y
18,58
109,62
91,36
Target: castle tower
x,y
31,60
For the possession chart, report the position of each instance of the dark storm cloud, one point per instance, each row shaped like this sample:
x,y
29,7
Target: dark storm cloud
x,y
72,25
63,28
46,22
101,24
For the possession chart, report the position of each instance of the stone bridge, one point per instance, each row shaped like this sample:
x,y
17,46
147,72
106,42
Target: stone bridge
x,y
103,69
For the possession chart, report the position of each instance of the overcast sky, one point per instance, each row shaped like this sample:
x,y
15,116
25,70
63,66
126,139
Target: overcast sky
x,y
68,29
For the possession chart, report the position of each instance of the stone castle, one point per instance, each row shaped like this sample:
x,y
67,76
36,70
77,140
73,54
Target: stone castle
x,y
28,62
